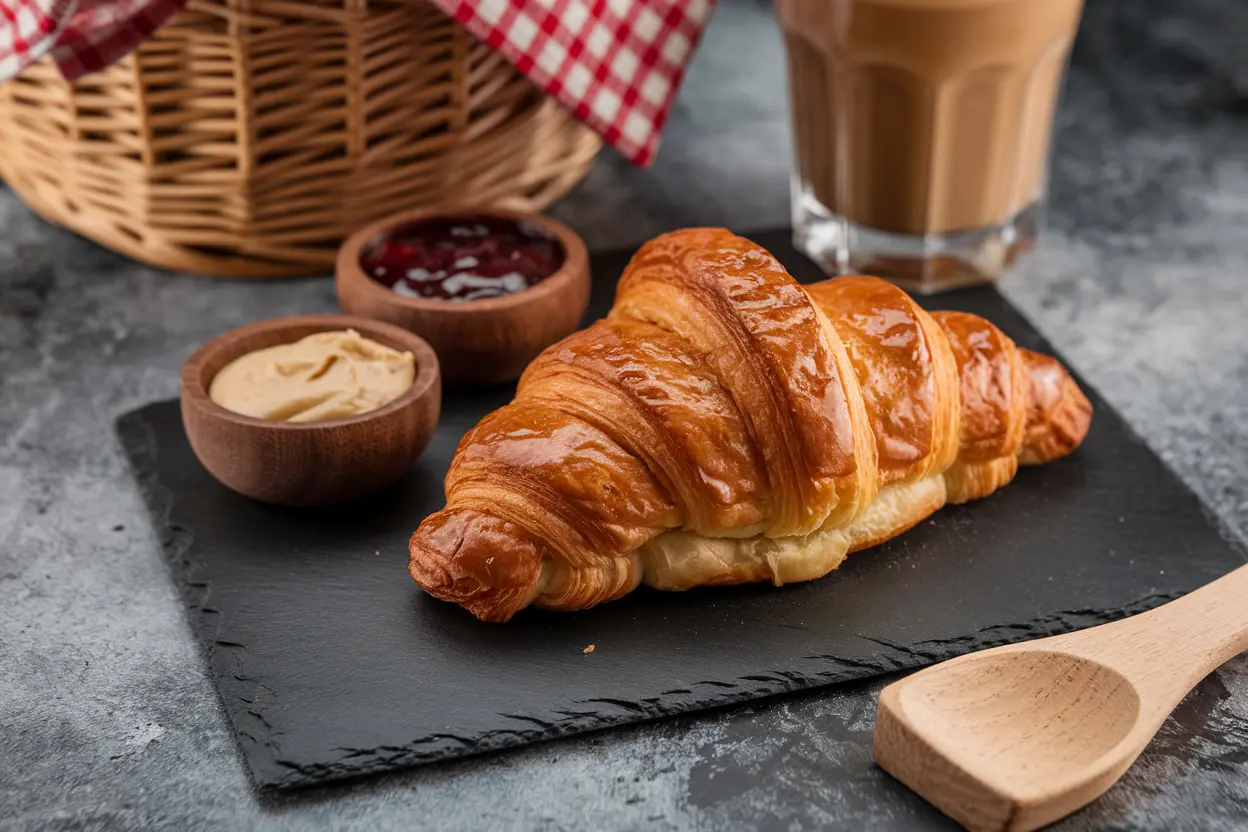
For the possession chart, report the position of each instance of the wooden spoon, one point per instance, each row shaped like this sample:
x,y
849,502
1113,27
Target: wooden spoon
x,y
1016,737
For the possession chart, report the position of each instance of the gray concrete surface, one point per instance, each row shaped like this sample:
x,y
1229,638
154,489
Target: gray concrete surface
x,y
108,720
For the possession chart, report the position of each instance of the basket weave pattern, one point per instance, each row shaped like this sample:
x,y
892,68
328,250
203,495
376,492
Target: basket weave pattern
x,y
248,137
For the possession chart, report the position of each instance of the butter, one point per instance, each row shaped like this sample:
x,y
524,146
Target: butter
x,y
329,375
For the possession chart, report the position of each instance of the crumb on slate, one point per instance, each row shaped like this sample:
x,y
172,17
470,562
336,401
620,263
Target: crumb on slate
x,y
588,649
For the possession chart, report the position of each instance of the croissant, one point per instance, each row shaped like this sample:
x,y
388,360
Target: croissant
x,y
724,424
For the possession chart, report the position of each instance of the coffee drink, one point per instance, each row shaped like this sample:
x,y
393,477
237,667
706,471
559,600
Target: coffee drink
x,y
922,130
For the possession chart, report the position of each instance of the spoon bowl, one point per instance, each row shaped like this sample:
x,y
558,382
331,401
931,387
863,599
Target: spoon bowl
x,y
1079,712
1017,737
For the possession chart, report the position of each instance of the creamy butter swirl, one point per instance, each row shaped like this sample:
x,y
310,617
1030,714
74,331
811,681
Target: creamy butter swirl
x,y
329,375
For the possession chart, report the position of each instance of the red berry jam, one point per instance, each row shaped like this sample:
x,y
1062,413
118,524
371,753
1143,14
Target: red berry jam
x,y
463,258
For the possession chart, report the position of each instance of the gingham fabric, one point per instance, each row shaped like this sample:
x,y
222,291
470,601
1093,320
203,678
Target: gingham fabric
x,y
81,35
616,64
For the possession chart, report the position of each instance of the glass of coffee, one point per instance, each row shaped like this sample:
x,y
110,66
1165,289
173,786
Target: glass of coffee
x,y
922,131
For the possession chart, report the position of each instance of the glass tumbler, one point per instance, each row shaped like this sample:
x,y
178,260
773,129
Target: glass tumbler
x,y
922,132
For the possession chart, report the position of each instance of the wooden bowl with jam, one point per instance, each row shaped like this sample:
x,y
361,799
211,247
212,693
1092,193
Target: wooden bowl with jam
x,y
488,289
290,455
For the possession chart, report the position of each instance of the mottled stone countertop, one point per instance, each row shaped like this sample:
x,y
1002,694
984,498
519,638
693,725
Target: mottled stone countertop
x,y
108,718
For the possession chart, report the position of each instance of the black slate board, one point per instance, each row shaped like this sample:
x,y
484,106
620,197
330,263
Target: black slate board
x,y
332,664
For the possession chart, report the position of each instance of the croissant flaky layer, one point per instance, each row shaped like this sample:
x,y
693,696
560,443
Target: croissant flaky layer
x,y
724,425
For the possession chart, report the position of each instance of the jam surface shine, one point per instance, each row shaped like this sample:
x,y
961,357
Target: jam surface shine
x,y
463,258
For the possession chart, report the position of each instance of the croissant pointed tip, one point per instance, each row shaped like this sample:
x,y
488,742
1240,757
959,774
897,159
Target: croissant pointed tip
x,y
1060,414
483,563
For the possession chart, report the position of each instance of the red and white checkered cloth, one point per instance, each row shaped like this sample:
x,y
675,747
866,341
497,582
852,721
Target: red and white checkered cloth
x,y
81,35
616,64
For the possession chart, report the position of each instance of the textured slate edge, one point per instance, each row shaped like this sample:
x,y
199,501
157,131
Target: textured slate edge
x,y
708,694
245,698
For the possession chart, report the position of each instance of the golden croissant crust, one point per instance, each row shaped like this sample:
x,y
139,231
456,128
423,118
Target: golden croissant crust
x,y
724,424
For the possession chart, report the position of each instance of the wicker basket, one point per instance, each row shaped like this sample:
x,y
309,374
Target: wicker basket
x,y
248,137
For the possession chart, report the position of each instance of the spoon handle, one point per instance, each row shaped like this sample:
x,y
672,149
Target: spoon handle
x,y
1168,650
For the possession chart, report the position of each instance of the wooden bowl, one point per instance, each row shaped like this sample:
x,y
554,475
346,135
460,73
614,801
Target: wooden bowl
x,y
481,341
309,463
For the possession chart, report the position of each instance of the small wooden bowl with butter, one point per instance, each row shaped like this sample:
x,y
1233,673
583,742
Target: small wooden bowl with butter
x,y
311,410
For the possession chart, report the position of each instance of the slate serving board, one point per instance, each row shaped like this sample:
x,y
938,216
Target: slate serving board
x,y
332,664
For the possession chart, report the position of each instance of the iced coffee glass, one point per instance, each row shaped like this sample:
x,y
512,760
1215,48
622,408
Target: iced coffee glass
x,y
922,131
